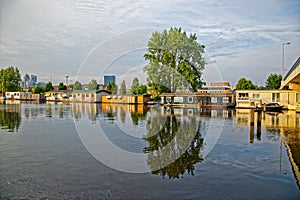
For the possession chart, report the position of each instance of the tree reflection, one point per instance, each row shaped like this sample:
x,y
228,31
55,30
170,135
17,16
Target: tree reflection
x,y
10,118
136,117
174,145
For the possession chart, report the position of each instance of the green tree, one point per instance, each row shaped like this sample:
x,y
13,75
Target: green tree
x,y
37,90
77,86
135,85
93,85
123,87
10,79
111,87
244,84
141,89
48,87
273,81
175,59
61,86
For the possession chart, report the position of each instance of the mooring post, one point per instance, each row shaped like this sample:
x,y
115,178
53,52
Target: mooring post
x,y
259,113
265,107
251,125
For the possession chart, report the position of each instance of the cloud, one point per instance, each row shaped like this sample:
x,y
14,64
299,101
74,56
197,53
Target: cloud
x,y
56,36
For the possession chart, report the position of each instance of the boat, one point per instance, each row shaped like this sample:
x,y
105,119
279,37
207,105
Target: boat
x,y
275,107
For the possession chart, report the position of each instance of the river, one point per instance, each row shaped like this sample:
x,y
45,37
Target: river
x,y
103,151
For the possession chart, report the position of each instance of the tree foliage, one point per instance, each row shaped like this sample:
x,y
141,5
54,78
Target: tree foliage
x,y
135,85
38,90
111,87
123,87
61,86
48,87
273,81
77,86
10,79
93,85
141,89
175,60
244,84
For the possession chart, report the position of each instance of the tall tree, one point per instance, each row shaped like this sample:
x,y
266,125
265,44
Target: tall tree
x,y
135,85
175,59
273,81
244,84
93,85
111,87
48,87
77,86
123,87
61,86
10,79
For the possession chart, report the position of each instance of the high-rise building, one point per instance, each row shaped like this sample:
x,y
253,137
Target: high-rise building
x,y
33,78
26,77
29,81
109,78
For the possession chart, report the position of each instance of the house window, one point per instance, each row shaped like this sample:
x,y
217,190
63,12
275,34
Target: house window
x,y
190,99
298,97
70,95
243,96
255,96
225,99
78,94
214,100
275,97
92,95
87,95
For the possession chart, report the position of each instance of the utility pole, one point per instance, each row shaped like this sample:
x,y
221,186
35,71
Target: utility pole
x,y
285,43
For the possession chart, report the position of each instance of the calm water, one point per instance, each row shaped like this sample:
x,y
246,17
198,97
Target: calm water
x,y
58,151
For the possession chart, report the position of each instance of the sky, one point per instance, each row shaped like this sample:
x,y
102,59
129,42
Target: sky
x,y
86,39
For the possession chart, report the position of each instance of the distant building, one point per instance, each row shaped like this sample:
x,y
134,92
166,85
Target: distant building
x,y
33,78
29,81
109,78
26,77
220,84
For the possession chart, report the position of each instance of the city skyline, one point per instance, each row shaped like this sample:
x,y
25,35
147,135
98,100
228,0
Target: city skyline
x,y
55,39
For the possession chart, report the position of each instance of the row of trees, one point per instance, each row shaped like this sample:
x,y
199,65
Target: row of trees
x,y
136,87
273,82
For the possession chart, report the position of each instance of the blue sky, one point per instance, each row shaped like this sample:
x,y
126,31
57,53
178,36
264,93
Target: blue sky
x,y
87,38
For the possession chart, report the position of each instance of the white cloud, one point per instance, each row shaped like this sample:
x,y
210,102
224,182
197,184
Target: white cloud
x,y
55,36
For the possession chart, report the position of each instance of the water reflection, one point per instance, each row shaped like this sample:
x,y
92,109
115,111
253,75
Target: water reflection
x,y
281,127
168,139
173,138
10,117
